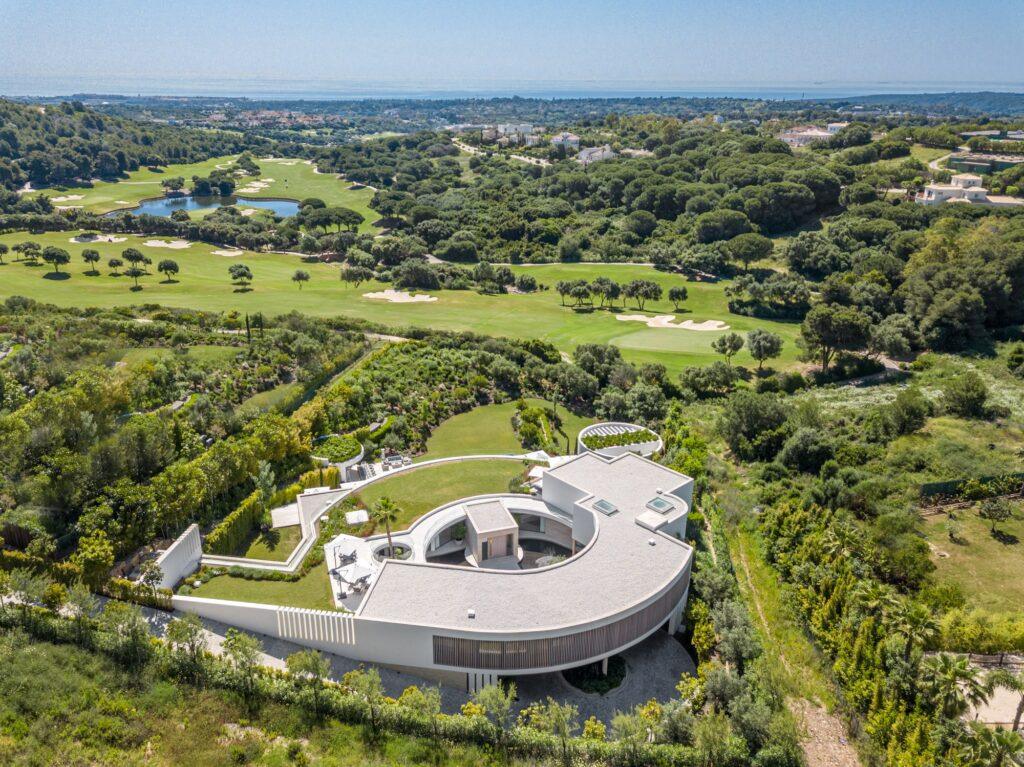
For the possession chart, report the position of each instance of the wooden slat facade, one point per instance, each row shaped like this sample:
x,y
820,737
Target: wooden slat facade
x,y
524,654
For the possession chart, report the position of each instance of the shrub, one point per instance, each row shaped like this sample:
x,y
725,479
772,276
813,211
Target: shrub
x,y
338,449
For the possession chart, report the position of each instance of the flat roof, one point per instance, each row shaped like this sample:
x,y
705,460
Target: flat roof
x,y
489,516
616,571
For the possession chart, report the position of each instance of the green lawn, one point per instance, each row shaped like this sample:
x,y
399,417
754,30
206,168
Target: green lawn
x,y
199,353
989,568
291,178
416,492
271,398
203,283
421,490
488,429
104,196
312,591
295,179
275,545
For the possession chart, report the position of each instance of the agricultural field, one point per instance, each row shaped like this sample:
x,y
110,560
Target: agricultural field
x,y
203,283
488,430
291,178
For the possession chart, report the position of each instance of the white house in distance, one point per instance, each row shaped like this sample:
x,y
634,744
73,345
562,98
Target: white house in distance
x,y
963,188
595,154
805,135
834,128
567,140
476,593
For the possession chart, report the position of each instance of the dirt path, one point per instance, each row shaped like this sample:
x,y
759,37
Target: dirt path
x,y
824,742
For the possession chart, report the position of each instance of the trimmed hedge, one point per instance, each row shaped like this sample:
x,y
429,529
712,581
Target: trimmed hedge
x,y
598,441
236,528
338,449
973,488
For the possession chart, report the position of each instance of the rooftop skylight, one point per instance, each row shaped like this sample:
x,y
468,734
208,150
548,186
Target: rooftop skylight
x,y
660,505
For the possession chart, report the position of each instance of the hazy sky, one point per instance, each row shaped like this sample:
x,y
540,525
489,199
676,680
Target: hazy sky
x,y
448,41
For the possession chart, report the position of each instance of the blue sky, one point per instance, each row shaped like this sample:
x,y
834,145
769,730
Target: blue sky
x,y
448,41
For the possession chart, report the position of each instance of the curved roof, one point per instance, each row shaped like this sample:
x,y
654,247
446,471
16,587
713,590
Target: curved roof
x,y
627,561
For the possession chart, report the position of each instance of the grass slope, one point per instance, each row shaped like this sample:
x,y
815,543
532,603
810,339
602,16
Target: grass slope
x,y
988,568
275,545
488,429
62,705
421,490
203,284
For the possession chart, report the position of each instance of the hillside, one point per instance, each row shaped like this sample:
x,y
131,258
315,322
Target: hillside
x,y
65,143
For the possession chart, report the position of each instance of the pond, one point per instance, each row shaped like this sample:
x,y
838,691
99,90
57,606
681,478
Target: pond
x,y
165,206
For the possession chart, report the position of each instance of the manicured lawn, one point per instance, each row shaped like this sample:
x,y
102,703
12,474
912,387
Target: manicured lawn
x,y
488,429
276,545
312,591
296,180
989,568
421,490
203,283
104,196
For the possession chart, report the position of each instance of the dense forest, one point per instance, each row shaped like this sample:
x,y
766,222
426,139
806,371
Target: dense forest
x,y
68,143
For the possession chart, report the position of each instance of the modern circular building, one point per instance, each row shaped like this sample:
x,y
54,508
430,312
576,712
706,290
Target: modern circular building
x,y
506,584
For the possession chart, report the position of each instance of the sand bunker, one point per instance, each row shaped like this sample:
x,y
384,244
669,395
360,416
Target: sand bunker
x,y
666,321
249,211
227,253
254,187
87,238
400,296
174,244
122,202
67,198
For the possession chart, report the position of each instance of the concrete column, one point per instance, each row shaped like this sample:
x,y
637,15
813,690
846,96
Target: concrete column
x,y
604,667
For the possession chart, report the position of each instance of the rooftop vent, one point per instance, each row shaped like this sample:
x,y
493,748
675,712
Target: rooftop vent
x,y
471,613
660,505
605,507
651,542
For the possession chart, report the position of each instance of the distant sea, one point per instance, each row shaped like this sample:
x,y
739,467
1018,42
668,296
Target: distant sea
x,y
257,88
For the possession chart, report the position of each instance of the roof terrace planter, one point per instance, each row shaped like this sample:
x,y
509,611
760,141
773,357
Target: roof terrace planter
x,y
613,438
340,450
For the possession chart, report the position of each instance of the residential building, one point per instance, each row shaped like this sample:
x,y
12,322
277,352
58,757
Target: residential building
x,y
567,140
964,188
595,154
804,135
833,128
474,594
972,162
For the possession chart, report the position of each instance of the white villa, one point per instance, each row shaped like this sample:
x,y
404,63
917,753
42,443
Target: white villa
x,y
805,135
963,188
595,154
506,584
566,139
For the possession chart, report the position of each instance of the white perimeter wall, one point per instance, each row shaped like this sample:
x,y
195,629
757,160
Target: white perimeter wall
x,y
181,558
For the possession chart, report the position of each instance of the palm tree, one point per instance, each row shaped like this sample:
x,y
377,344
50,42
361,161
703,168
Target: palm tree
x,y
916,624
873,598
387,511
953,685
1014,683
994,748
